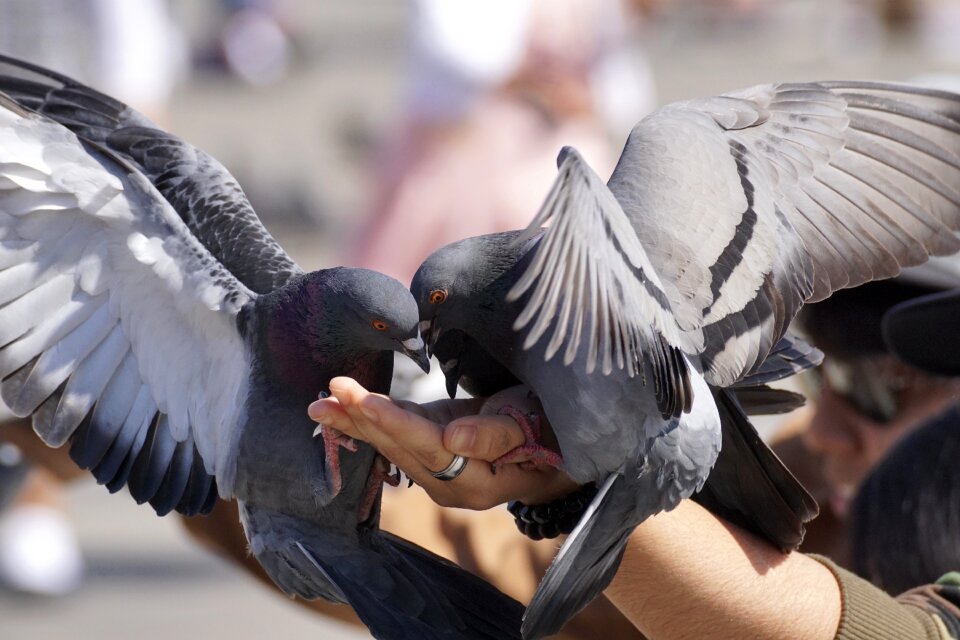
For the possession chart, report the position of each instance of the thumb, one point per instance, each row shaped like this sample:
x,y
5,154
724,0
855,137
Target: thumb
x,y
483,437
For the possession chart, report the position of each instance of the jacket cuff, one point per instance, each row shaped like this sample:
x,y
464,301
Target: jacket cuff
x,y
871,614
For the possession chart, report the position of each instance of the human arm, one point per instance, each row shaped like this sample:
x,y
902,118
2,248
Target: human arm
x,y
685,573
738,586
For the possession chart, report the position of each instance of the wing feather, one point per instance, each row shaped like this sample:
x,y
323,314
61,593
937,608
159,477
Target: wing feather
x,y
201,191
129,439
90,445
114,318
622,314
850,182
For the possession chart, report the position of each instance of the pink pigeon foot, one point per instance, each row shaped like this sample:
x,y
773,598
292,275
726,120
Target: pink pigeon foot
x,y
532,452
379,474
332,441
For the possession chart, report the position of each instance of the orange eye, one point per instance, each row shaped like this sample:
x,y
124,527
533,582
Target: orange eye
x,y
379,325
438,296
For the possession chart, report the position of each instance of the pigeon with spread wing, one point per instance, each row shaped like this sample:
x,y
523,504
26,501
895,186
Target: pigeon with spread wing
x,y
649,299
149,322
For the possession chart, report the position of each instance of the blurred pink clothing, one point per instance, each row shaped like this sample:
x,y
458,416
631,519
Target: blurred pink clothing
x,y
490,173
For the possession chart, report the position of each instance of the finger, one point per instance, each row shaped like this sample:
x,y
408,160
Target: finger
x,y
388,427
422,437
329,413
486,438
347,393
415,445
479,488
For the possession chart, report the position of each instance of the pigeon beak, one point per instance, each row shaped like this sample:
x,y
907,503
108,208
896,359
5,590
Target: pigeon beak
x,y
451,373
416,350
430,330
426,331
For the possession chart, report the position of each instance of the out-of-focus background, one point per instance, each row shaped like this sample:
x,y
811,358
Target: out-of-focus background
x,y
348,122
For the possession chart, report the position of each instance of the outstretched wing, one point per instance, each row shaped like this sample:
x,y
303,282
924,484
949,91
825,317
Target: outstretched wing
x,y
118,328
592,281
201,191
745,206
752,203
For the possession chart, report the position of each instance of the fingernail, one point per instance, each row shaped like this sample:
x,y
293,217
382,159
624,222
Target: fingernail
x,y
316,412
463,438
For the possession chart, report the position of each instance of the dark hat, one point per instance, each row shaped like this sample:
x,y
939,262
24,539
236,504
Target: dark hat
x,y
925,332
851,322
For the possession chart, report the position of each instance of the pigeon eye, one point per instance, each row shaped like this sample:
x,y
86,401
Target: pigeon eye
x,y
379,325
438,296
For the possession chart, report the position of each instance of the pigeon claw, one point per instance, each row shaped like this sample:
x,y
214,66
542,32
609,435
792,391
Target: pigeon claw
x,y
531,453
332,441
379,473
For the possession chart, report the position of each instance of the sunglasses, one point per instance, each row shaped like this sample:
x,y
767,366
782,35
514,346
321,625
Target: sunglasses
x,y
878,387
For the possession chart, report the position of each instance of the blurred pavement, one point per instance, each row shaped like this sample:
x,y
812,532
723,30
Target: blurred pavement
x,y
147,580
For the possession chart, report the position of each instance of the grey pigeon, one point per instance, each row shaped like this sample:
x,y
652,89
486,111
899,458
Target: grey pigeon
x,y
149,321
675,281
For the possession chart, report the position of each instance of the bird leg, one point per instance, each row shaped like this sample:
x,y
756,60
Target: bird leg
x,y
532,452
332,441
379,474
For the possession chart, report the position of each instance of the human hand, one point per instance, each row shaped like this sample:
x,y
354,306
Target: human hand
x,y
420,439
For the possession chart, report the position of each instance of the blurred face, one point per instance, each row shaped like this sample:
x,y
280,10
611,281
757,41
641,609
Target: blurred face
x,y
865,406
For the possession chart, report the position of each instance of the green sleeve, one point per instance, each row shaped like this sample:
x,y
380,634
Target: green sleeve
x,y
871,614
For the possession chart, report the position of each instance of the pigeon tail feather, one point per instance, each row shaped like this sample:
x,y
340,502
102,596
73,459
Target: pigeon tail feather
x,y
790,356
587,561
750,486
400,591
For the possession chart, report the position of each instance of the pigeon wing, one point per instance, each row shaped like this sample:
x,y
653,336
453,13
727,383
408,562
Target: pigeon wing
x,y
119,329
207,198
590,279
752,203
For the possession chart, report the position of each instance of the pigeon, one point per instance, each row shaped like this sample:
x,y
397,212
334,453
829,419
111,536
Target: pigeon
x,y
647,300
149,321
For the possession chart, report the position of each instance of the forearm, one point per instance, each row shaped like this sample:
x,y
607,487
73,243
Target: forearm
x,y
687,574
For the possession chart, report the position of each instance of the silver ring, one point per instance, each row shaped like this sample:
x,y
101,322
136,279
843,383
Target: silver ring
x,y
454,469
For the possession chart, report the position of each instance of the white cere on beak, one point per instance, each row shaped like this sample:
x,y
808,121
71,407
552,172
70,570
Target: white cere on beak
x,y
413,344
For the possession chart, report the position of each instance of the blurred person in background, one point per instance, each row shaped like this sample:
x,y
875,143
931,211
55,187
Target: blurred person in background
x,y
131,51
904,521
864,399
909,502
494,90
252,41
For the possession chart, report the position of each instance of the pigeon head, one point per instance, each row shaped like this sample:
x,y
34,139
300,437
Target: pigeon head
x,y
462,287
331,322
457,278
375,312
